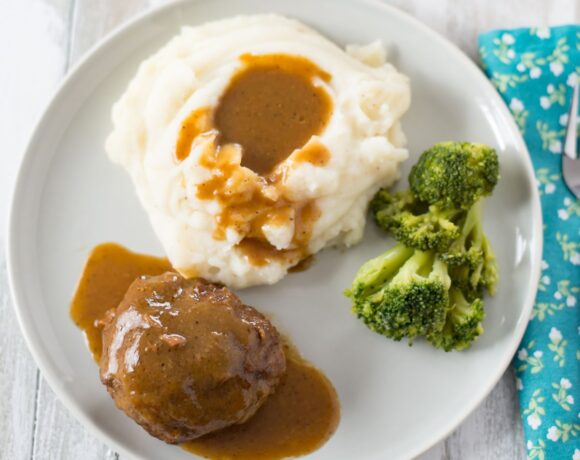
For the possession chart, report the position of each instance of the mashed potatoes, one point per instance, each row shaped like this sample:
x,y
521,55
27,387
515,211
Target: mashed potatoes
x,y
254,142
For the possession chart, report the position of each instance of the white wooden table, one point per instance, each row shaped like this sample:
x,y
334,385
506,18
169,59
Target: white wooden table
x,y
39,41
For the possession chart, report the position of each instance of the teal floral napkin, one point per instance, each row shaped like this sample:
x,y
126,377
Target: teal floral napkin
x,y
534,70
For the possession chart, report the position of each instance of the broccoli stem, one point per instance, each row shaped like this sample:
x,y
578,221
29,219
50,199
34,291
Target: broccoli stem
x,y
471,232
447,214
420,263
490,270
473,219
460,305
376,272
441,272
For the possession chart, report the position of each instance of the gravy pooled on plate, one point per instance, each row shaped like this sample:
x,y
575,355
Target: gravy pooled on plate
x,y
297,418
108,272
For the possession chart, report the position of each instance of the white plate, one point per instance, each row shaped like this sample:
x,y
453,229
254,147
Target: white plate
x,y
396,400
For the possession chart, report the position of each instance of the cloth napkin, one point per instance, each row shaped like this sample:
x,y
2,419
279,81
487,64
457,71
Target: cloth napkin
x,y
534,70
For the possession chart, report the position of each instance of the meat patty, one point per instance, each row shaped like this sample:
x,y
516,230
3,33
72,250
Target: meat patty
x,y
185,357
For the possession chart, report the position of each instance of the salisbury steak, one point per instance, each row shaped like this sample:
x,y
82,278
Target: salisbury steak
x,y
185,357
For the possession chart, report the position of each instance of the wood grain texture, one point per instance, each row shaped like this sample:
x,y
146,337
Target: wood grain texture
x,y
494,428
59,436
40,29
92,20
461,21
18,381
33,423
22,96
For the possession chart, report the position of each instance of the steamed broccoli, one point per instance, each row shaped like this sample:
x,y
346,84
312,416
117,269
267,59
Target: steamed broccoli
x,y
471,253
443,211
462,323
432,282
454,174
402,293
414,223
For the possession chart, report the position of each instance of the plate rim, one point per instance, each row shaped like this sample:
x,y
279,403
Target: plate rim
x,y
15,285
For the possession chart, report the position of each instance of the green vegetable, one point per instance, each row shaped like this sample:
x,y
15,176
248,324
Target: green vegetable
x,y
414,223
431,283
455,174
471,253
402,293
462,323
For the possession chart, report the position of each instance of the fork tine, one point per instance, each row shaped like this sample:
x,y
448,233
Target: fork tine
x,y
572,126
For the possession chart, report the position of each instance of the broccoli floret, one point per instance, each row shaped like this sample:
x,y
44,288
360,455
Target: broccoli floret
x,y
414,223
402,293
462,324
461,279
455,174
471,256
374,273
432,282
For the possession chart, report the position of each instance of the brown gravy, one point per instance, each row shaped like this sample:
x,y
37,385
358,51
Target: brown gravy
x,y
314,153
270,109
106,276
297,419
198,122
303,265
301,415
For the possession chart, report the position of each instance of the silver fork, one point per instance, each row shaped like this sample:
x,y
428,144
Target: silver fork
x,y
570,160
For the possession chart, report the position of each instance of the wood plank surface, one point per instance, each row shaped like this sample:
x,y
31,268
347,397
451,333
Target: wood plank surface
x,y
22,96
51,35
